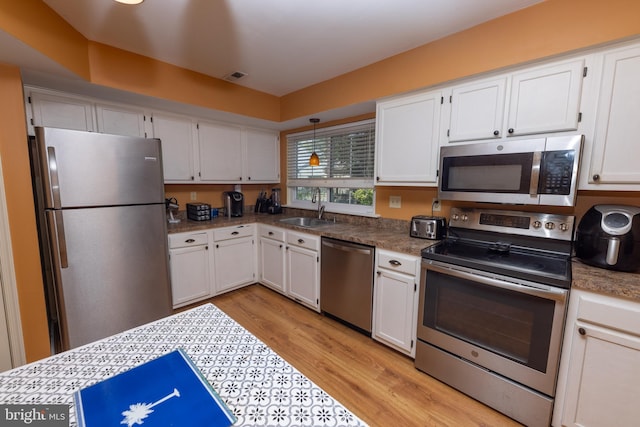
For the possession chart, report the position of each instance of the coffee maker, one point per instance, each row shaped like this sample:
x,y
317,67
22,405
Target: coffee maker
x,y
233,203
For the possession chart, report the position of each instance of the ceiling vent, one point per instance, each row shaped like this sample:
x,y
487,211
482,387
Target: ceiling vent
x,y
235,76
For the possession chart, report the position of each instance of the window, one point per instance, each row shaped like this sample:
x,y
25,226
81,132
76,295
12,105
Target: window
x,y
345,174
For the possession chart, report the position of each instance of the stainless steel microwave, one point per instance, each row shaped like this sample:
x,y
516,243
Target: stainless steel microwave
x,y
541,171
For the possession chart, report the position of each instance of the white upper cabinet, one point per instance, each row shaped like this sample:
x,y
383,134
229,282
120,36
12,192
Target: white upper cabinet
x,y
543,99
407,130
235,154
477,110
177,137
60,111
121,120
546,99
220,150
615,156
262,156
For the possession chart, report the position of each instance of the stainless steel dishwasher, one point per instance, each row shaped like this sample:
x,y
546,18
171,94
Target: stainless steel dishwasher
x,y
346,282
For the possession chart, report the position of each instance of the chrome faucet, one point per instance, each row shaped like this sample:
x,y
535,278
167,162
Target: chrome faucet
x,y
317,198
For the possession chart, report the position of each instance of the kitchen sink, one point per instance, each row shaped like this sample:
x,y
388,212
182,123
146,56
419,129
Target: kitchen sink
x,y
303,221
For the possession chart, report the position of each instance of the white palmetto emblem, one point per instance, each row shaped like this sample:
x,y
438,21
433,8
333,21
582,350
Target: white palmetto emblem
x,y
139,411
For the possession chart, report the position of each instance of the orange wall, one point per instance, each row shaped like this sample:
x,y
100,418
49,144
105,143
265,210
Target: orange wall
x,y
119,69
546,29
21,211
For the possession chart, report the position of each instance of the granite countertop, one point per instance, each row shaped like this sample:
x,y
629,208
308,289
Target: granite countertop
x,y
394,235
379,232
609,282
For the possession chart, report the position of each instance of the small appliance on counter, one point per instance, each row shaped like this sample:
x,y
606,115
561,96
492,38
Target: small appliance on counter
x,y
275,206
233,203
428,227
199,211
172,206
608,236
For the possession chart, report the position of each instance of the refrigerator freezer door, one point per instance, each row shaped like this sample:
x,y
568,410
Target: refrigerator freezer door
x,y
116,274
84,169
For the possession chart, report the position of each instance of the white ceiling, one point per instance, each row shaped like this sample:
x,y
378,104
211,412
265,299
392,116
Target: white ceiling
x,y
283,45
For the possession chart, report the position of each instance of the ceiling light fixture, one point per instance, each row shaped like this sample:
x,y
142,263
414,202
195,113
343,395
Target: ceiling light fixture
x,y
314,160
130,1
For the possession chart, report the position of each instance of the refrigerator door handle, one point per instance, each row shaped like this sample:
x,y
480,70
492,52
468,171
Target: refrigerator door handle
x,y
56,225
52,165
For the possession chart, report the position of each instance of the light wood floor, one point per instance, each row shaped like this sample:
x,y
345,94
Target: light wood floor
x,y
379,385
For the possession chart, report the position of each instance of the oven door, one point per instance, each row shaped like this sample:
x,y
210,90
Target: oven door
x,y
513,329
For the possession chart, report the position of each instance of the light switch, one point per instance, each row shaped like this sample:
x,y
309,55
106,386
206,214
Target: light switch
x,y
194,195
395,202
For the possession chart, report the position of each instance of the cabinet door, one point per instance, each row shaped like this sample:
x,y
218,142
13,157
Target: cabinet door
x,y
615,156
407,139
272,264
262,156
393,311
220,152
62,112
190,279
177,139
120,120
303,276
602,384
545,99
234,263
477,110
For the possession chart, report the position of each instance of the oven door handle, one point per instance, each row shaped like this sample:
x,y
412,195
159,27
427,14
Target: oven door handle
x,y
546,292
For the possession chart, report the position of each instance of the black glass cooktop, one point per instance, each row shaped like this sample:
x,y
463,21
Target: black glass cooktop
x,y
505,259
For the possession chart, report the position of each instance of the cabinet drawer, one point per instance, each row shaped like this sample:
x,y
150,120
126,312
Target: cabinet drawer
x,y
398,262
272,232
615,313
233,232
186,240
303,240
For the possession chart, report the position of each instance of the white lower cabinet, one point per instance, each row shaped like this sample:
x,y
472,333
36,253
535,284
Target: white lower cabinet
x,y
189,260
234,257
303,268
395,302
599,382
272,257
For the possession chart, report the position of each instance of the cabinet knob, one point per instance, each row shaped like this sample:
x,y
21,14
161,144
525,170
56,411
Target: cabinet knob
x,y
248,178
511,130
300,240
377,178
582,331
596,177
379,273
496,132
271,233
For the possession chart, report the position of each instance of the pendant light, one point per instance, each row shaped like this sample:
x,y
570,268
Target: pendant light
x,y
314,160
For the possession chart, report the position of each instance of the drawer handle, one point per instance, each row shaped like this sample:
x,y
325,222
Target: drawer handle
x,y
234,233
395,263
271,233
300,240
190,240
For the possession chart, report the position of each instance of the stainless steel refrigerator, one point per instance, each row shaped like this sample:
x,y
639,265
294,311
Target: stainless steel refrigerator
x,y
102,228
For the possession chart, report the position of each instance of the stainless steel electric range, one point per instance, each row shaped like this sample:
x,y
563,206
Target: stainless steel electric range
x,y
493,300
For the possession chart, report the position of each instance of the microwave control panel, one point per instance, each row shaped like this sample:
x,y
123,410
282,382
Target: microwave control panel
x,y
555,172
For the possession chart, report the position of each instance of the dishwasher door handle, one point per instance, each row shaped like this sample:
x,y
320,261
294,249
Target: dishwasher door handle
x,y
347,248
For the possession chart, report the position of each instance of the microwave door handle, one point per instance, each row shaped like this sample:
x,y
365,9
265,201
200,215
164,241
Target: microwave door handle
x,y
535,173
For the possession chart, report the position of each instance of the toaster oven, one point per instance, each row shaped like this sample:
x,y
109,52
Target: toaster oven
x,y
428,227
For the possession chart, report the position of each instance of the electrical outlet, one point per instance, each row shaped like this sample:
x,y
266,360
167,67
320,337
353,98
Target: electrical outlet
x,y
436,206
395,202
194,195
